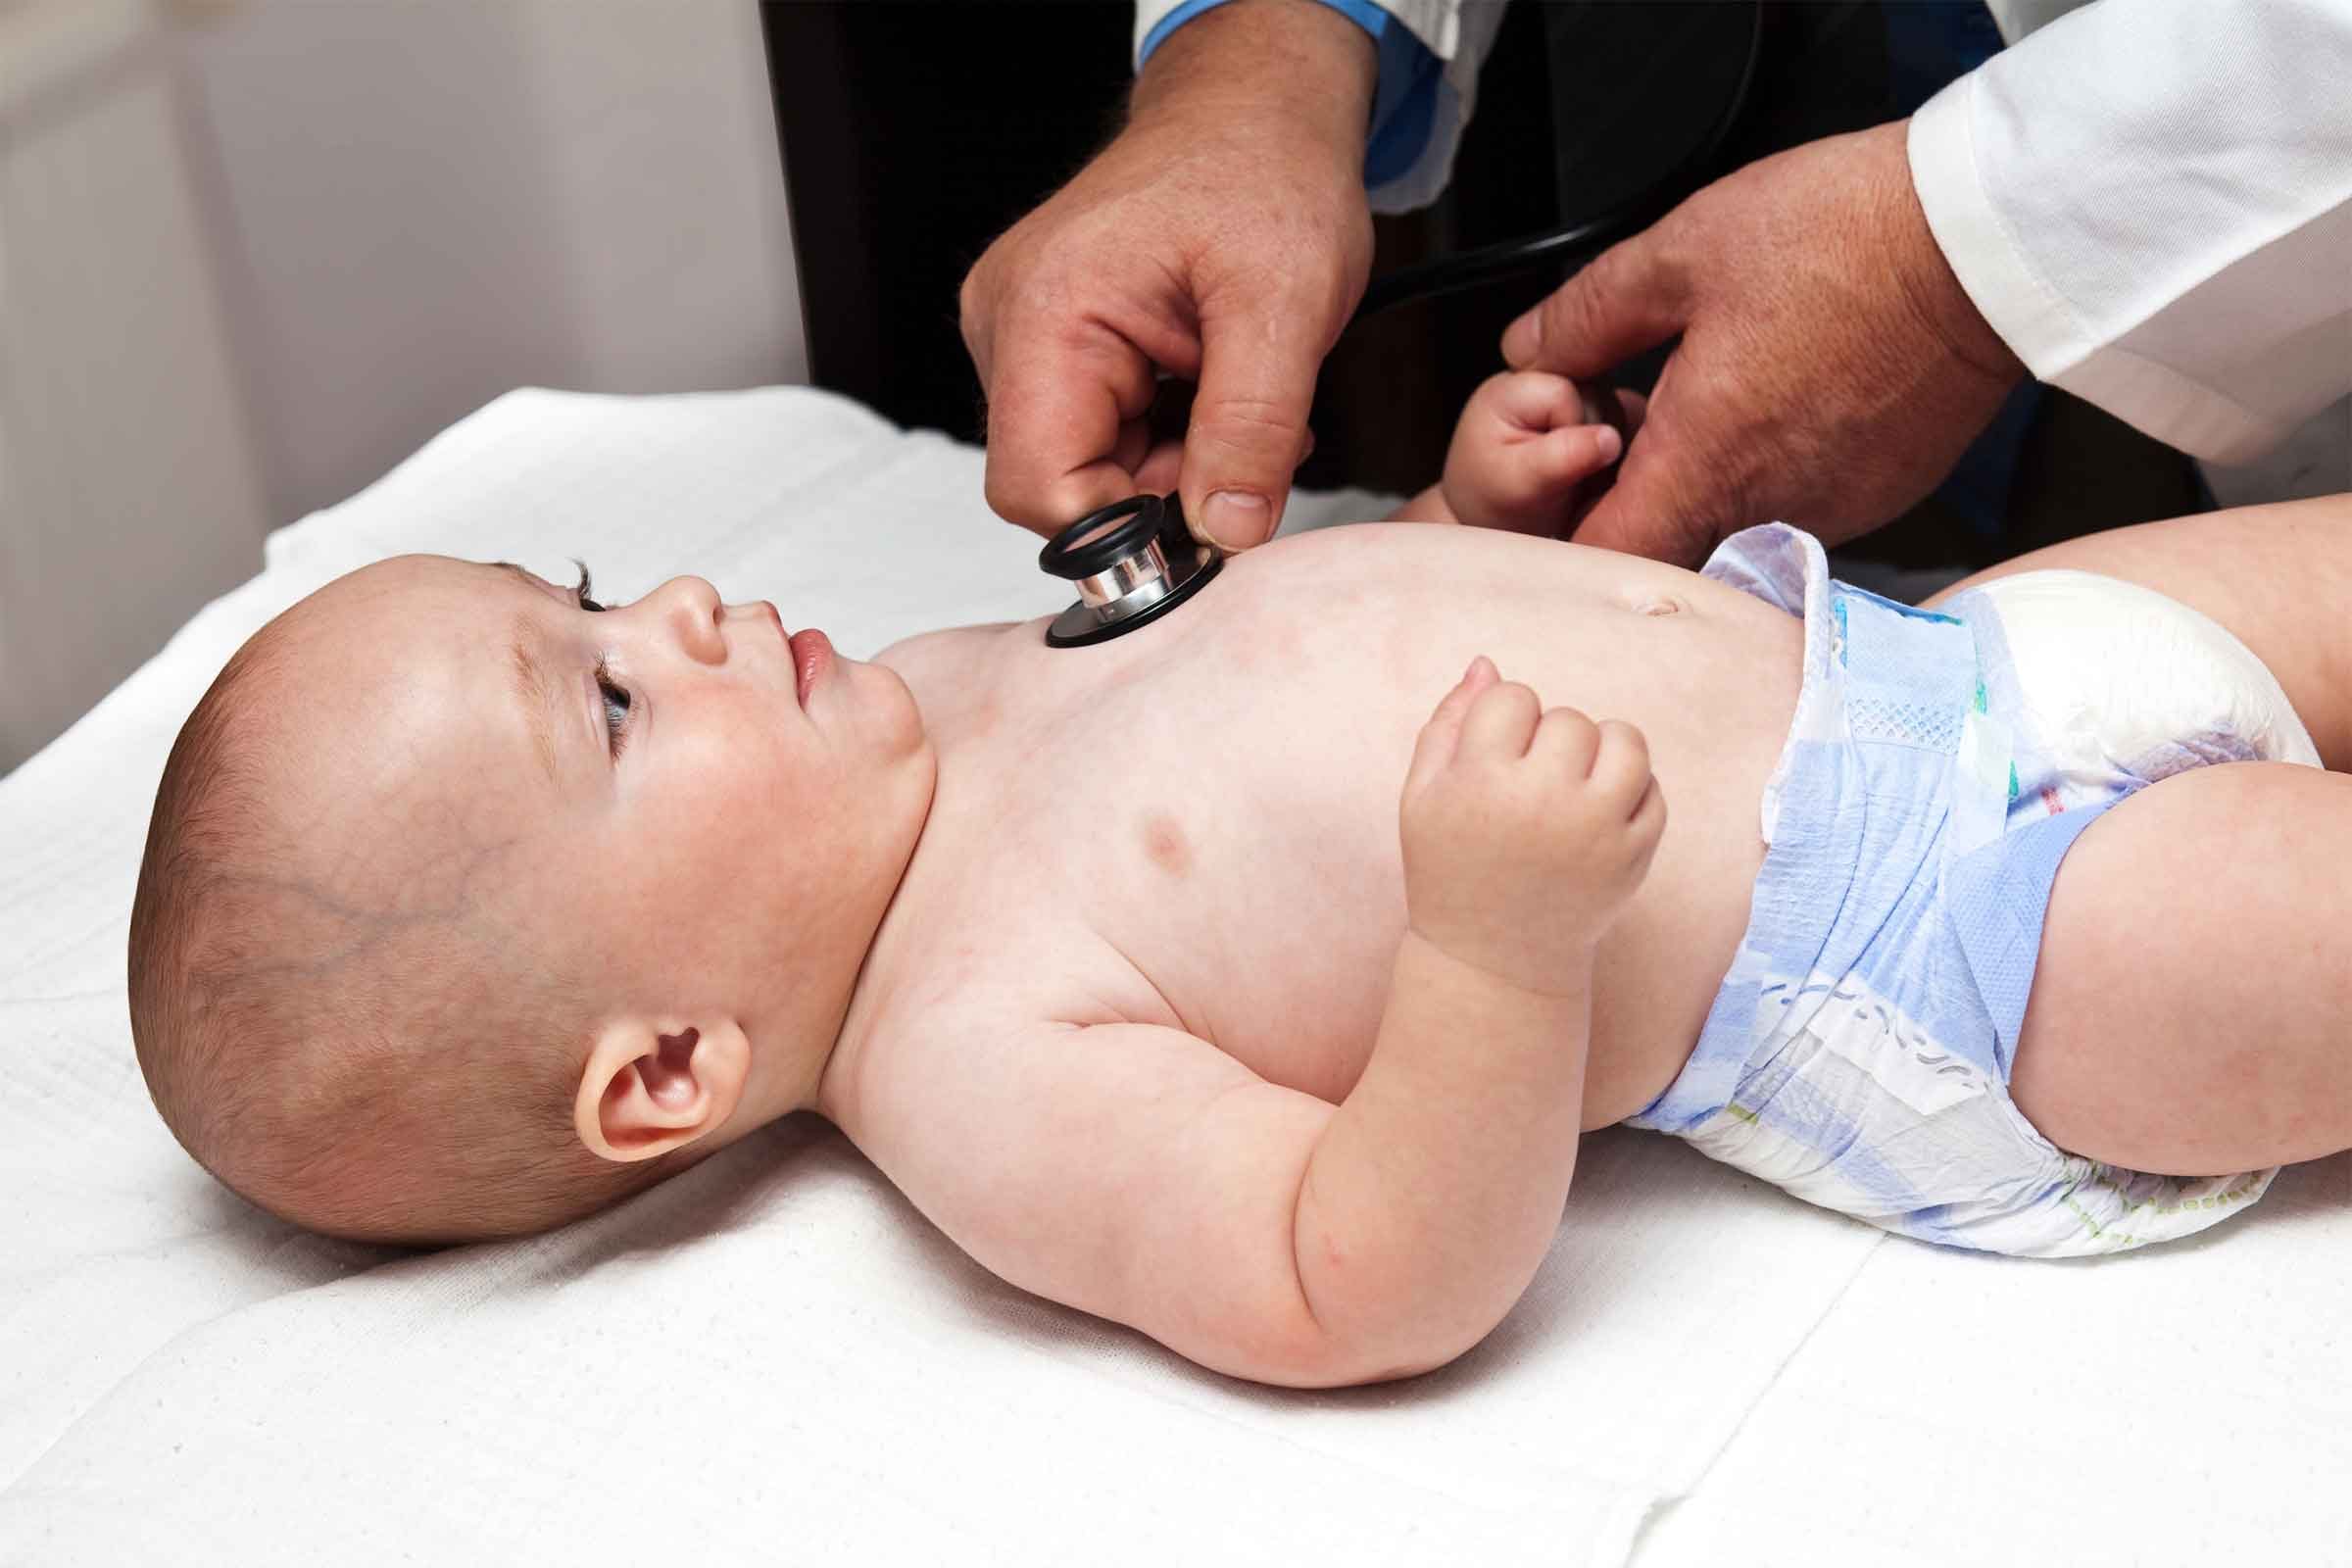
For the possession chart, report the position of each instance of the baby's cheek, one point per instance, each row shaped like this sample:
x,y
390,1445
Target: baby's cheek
x,y
715,793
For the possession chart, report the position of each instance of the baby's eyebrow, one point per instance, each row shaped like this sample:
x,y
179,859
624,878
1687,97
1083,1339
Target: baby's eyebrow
x,y
531,581
537,692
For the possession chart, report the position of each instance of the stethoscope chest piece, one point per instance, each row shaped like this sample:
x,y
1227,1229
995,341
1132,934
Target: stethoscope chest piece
x,y
1133,560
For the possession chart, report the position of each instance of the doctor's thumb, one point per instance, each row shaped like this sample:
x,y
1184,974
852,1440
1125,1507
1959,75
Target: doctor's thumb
x,y
1627,300
1246,437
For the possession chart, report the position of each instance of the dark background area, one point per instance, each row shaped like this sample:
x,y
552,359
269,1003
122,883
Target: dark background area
x,y
915,132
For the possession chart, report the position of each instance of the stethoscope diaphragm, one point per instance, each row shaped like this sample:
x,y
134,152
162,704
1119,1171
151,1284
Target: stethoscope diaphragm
x,y
1132,561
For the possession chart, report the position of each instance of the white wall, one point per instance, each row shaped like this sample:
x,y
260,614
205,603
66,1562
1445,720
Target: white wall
x,y
128,493
428,202
254,252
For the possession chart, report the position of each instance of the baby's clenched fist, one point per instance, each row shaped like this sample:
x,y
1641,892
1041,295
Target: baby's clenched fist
x,y
1531,452
1526,830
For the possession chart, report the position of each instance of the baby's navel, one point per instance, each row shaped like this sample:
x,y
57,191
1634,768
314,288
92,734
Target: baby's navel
x,y
1653,604
1165,843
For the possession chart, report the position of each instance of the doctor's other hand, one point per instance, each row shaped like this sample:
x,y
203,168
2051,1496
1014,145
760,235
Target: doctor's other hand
x,y
1223,237
1831,368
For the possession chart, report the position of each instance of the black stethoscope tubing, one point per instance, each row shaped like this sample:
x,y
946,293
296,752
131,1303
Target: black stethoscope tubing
x,y
1571,245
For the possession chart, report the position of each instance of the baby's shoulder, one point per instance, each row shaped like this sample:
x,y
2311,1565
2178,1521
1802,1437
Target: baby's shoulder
x,y
974,998
986,970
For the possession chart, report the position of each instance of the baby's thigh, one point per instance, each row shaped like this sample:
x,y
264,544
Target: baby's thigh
x,y
2191,1013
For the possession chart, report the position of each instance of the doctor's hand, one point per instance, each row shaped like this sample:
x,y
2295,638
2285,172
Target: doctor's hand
x,y
1831,370
1223,238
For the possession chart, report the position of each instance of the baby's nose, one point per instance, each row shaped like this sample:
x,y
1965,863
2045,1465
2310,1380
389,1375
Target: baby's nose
x,y
690,607
755,614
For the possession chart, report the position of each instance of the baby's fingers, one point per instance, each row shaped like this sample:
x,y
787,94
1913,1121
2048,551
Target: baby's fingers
x,y
1544,471
1649,812
1501,722
1442,733
1537,400
1566,741
1563,458
1621,765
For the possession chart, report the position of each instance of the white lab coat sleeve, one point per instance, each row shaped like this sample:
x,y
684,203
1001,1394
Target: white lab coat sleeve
x,y
1460,33
2151,202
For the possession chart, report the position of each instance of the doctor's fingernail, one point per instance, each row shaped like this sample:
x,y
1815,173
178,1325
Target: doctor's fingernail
x,y
1522,338
1235,517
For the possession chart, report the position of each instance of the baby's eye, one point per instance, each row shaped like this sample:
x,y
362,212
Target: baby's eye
x,y
616,705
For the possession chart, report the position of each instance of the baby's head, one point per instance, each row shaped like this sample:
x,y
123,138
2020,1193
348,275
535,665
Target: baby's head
x,y
469,907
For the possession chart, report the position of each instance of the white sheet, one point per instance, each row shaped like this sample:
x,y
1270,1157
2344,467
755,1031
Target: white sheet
x,y
775,1354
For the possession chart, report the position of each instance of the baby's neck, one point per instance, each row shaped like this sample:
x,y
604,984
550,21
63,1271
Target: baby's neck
x,y
956,677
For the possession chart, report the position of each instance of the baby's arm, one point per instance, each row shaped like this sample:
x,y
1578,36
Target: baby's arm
x,y
1141,1174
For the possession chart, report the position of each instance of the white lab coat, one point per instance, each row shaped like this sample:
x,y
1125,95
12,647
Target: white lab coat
x,y
2149,200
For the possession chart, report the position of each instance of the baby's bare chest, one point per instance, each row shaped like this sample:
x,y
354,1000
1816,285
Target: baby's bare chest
x,y
1204,833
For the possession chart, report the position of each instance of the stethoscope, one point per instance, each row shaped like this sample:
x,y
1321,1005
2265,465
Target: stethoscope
x,y
1134,561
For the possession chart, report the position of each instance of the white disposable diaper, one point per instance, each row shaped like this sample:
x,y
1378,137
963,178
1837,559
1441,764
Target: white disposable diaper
x,y
2117,681
1939,765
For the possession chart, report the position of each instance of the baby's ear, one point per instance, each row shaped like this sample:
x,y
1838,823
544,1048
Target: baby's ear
x,y
653,1085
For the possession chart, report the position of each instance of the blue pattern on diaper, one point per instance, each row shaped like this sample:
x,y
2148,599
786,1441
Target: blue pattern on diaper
x,y
1864,815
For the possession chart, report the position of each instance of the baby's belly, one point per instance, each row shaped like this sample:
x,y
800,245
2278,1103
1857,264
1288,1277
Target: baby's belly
x,y
1252,871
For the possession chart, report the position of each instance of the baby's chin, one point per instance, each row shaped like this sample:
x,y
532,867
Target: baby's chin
x,y
877,700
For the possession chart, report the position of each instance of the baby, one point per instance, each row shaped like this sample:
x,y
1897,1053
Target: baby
x,y
1249,979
